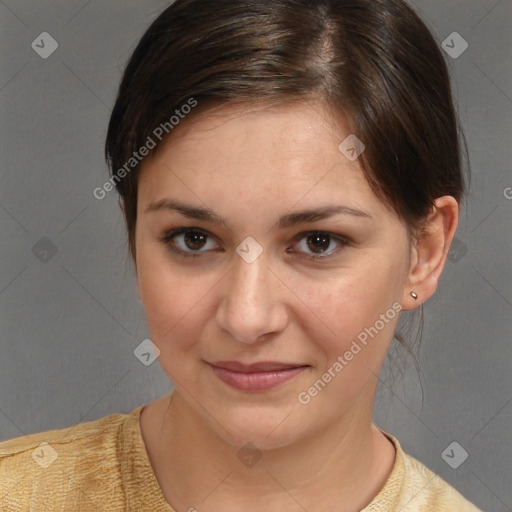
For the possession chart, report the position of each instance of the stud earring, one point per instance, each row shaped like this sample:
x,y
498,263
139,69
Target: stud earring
x,y
414,295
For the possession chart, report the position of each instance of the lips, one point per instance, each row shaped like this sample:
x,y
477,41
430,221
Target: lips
x,y
256,377
264,366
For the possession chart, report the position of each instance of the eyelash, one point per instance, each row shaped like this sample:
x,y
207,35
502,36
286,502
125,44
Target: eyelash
x,y
169,236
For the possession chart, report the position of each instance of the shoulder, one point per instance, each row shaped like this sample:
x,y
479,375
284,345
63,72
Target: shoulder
x,y
422,490
52,468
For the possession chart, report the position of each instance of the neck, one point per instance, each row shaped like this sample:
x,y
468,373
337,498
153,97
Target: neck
x,y
342,466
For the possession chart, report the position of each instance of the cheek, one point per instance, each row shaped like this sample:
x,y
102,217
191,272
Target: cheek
x,y
351,358
358,312
173,302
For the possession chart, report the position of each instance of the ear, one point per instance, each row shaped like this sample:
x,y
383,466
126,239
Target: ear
x,y
429,252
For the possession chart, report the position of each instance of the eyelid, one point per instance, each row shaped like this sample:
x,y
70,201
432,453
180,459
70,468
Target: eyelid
x,y
172,233
168,237
342,241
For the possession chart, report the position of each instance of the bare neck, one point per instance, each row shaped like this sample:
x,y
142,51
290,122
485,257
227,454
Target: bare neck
x,y
341,467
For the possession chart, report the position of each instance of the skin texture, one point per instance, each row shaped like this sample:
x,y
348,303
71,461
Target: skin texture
x,y
250,168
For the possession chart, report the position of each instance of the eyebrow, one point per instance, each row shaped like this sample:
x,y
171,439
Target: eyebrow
x,y
286,221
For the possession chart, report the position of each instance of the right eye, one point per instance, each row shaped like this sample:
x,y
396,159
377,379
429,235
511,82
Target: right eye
x,y
187,242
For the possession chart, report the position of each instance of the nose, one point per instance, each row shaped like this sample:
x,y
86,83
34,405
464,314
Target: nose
x,y
251,307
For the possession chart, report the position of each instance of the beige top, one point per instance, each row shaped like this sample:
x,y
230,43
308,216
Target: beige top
x,y
103,465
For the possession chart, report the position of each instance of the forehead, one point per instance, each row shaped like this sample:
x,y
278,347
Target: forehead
x,y
279,155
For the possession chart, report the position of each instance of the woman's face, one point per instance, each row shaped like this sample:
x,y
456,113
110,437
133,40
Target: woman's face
x,y
259,280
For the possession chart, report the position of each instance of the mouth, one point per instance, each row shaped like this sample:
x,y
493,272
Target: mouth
x,y
260,376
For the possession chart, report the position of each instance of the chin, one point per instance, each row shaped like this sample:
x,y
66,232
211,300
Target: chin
x,y
265,431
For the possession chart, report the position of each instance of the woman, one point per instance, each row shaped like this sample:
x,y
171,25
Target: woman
x,y
290,174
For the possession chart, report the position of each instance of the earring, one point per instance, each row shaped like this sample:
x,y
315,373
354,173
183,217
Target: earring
x,y
414,295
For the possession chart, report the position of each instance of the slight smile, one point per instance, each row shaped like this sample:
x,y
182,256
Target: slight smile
x,y
257,376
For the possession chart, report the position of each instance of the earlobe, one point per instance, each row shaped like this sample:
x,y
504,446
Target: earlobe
x,y
430,252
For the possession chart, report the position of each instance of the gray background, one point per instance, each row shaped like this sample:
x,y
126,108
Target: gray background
x,y
71,320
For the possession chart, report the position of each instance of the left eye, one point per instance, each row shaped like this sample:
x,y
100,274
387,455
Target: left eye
x,y
189,242
318,242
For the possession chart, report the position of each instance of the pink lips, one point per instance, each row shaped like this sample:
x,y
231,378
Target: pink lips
x,y
255,377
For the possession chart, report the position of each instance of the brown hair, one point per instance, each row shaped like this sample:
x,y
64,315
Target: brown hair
x,y
374,60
